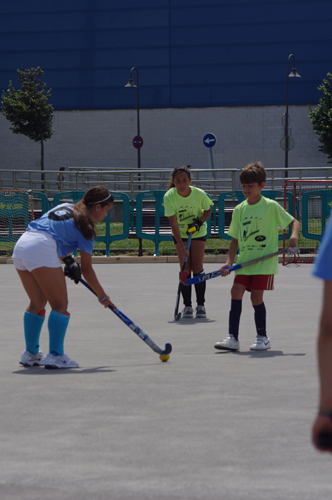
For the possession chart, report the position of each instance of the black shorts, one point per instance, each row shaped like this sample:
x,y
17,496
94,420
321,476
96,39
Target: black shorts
x,y
202,238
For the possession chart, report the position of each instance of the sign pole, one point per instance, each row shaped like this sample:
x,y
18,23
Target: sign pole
x,y
209,140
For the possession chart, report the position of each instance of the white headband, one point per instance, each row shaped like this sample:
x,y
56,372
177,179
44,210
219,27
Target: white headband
x,y
96,202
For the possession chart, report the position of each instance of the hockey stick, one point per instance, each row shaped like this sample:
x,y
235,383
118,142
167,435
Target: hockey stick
x,y
155,347
214,274
177,315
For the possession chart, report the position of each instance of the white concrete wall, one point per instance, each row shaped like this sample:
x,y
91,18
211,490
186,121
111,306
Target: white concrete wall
x,y
171,137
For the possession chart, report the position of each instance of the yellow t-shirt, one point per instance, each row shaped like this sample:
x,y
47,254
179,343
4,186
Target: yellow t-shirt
x,y
187,208
256,229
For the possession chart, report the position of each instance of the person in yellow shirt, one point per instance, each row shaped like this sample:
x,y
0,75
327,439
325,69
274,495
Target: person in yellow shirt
x,y
254,231
188,208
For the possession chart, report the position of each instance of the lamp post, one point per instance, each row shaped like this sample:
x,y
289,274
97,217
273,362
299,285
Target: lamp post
x,y
292,74
131,84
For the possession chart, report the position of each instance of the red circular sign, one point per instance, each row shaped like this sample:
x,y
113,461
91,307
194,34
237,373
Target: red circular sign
x,y
138,141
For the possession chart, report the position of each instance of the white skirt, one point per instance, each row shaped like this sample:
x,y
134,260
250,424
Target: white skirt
x,y
35,249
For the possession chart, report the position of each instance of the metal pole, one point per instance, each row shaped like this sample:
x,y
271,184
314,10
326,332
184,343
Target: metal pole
x,y
131,84
295,74
286,118
138,132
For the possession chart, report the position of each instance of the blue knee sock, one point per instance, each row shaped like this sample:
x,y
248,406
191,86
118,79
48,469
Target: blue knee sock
x,y
32,327
260,319
186,293
234,318
57,327
200,290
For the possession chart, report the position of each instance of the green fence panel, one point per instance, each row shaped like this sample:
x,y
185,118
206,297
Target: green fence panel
x,y
124,198
68,196
156,199
225,211
107,238
316,205
14,215
45,203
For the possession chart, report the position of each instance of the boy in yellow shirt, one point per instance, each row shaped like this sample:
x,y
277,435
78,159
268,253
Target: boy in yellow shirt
x,y
254,231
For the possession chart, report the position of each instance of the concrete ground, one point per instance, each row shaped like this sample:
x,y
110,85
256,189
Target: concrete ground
x,y
205,425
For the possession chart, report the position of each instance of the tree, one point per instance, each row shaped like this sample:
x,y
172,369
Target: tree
x,y
321,117
27,108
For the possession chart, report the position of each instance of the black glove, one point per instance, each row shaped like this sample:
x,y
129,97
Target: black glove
x,y
72,268
195,226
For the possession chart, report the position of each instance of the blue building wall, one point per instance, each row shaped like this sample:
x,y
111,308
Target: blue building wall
x,y
189,53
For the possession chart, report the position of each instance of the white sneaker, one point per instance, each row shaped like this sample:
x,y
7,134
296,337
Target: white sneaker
x,y
200,312
261,344
28,359
187,312
229,344
55,362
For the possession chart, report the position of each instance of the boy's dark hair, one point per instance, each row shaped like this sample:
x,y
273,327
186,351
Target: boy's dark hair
x,y
253,172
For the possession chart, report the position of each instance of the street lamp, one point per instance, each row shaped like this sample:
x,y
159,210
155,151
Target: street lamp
x,y
131,84
292,74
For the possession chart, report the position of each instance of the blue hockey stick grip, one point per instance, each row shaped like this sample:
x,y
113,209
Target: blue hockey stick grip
x,y
207,276
233,268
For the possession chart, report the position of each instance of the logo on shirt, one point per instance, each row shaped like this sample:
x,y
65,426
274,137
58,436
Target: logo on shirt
x,y
260,238
252,238
63,213
186,213
250,226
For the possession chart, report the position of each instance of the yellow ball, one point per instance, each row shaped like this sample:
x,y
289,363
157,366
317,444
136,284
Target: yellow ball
x,y
164,357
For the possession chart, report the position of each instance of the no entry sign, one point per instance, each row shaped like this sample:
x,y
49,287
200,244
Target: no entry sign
x,y
138,142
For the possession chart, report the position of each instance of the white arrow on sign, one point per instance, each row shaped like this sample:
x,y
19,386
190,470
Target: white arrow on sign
x,y
208,140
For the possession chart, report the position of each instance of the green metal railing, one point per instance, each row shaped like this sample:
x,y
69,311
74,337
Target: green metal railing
x,y
132,182
143,216
108,237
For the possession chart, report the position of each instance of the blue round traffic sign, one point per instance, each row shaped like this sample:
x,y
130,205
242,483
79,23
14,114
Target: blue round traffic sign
x,y
137,142
209,140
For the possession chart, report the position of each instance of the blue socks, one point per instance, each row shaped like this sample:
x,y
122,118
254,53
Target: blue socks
x,y
235,314
32,327
260,319
57,327
186,293
234,318
200,290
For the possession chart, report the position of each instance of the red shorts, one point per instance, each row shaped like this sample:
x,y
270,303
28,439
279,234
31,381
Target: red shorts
x,y
255,282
